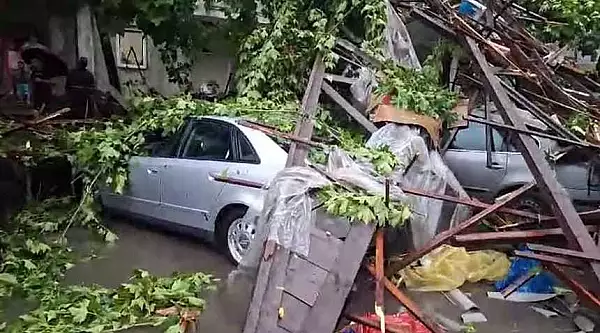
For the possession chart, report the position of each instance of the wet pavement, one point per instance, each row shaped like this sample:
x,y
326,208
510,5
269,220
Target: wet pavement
x,y
162,253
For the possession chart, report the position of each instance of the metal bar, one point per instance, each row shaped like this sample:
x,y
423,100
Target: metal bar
x,y
354,113
445,236
513,236
584,294
556,103
476,204
546,258
530,106
283,135
561,204
582,144
519,282
565,252
304,127
539,113
237,181
410,305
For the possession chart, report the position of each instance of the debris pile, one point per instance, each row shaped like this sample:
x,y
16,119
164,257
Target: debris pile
x,y
525,88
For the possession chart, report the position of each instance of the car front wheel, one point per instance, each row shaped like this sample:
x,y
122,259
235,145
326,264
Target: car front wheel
x,y
238,235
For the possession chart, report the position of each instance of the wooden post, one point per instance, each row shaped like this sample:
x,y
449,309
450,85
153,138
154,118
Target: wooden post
x,y
263,310
304,127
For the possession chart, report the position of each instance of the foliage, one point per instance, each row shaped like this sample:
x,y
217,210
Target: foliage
x,y
276,57
367,208
579,123
580,18
36,258
419,91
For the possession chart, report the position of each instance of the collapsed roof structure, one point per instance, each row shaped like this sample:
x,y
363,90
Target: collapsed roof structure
x,y
305,292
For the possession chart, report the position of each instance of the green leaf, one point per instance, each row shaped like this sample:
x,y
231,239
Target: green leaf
x,y
80,311
174,329
8,278
195,301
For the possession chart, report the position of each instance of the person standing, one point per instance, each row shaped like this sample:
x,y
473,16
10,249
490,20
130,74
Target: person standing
x,y
20,78
80,87
41,85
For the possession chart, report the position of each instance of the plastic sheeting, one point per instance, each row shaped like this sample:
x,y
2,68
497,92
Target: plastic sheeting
x,y
287,215
422,169
447,268
398,47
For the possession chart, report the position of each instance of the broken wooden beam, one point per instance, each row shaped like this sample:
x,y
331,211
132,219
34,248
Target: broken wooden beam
x,y
584,294
513,236
353,112
409,304
445,236
304,128
561,204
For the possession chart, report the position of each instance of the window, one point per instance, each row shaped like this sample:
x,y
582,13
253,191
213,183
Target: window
x,y
247,153
473,138
209,141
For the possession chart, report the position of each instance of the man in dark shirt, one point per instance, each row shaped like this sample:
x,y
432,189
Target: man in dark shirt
x,y
42,88
80,87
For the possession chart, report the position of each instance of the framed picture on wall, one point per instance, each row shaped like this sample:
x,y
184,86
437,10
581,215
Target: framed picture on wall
x,y
131,49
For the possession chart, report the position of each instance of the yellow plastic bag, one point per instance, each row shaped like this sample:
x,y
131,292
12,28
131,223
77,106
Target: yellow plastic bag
x,y
448,267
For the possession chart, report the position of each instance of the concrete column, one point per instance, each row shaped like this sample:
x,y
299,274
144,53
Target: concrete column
x,y
90,46
85,35
62,39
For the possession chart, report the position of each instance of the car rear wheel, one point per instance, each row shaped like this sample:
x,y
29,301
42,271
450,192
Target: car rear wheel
x,y
237,234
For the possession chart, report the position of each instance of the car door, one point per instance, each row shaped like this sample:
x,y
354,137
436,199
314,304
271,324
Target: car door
x,y
188,189
466,156
142,194
580,176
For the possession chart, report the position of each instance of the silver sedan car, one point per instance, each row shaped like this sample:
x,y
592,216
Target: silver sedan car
x,y
176,182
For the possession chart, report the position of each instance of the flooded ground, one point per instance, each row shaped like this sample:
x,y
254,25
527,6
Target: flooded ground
x,y
162,253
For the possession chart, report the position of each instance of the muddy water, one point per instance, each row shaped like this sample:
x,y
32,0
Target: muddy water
x,y
162,253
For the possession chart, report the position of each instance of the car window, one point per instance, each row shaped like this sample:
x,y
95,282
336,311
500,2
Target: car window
x,y
162,146
473,138
247,152
209,141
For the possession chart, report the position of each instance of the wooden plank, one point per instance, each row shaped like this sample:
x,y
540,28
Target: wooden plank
x,y
273,295
304,279
330,301
561,204
323,249
445,236
294,313
258,294
354,113
304,127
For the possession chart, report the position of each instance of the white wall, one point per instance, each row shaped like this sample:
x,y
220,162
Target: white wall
x,y
205,67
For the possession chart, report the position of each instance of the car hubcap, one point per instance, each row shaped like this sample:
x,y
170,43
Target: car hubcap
x,y
239,236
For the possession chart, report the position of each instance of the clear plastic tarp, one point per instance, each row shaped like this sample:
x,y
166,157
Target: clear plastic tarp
x,y
288,216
